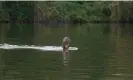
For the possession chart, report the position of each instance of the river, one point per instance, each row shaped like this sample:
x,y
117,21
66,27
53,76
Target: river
x,y
104,52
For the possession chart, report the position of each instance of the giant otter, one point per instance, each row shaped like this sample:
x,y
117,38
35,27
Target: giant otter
x,y
65,44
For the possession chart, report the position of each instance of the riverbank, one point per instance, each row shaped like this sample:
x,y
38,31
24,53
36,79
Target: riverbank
x,y
61,22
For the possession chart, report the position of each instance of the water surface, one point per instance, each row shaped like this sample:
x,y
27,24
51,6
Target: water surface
x,y
104,52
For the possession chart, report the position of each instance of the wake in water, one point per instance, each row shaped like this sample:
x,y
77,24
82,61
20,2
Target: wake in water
x,y
44,48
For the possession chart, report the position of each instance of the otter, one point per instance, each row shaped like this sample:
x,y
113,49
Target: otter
x,y
65,46
66,42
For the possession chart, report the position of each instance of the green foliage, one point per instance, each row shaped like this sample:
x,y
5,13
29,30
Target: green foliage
x,y
80,11
3,12
77,10
74,11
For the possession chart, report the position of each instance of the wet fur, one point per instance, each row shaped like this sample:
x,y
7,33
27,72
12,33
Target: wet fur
x,y
65,44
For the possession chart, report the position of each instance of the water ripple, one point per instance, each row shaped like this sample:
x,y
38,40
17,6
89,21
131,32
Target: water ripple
x,y
43,48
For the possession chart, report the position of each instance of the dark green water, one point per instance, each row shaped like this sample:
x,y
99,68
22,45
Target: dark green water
x,y
105,52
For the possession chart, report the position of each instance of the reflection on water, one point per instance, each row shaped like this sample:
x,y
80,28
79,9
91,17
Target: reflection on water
x,y
105,52
65,57
66,68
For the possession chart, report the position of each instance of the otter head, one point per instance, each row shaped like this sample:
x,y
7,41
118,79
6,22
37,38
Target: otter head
x,y
66,42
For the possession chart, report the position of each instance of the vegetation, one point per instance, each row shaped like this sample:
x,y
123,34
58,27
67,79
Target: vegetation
x,y
76,11
62,11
